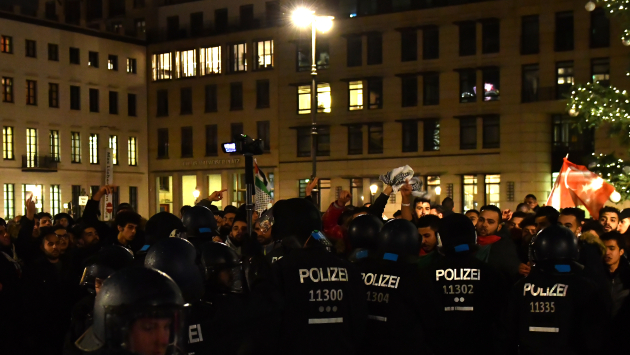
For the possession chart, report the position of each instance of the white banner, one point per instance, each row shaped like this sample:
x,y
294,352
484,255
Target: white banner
x,y
109,180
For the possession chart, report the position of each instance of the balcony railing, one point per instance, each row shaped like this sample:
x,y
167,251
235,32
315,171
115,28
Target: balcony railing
x,y
39,163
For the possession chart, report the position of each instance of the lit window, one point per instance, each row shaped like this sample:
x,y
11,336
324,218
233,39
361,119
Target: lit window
x,y
31,148
161,66
132,66
112,62
355,91
9,200
54,145
186,63
7,89
55,200
493,184
93,148
264,53
433,182
113,145
564,79
600,69
469,192
7,141
31,92
238,57
6,44
132,149
324,100
75,153
210,60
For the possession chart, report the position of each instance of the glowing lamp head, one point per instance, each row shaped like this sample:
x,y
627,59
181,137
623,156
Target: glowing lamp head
x,y
196,193
324,23
302,17
438,190
373,189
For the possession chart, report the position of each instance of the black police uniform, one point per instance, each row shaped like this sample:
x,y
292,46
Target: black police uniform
x,y
470,301
398,303
322,302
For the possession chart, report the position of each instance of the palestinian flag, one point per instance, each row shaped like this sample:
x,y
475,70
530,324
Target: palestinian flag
x,y
263,187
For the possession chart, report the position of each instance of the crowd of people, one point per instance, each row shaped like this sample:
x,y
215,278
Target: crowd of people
x,y
429,280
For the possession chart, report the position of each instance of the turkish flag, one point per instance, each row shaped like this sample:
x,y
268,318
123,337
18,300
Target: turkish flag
x,y
576,185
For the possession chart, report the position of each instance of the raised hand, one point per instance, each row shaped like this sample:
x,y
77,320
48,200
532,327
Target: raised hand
x,y
217,195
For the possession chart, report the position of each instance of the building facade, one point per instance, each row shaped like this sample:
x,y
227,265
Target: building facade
x,y
68,94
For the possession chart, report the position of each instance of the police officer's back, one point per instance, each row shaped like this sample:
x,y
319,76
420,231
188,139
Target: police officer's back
x,y
556,309
319,297
470,294
398,299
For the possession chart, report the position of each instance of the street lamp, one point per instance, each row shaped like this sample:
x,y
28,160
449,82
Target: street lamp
x,y
373,189
303,17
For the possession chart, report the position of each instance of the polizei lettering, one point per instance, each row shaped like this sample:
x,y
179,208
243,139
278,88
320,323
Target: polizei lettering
x,y
377,280
324,274
458,274
557,290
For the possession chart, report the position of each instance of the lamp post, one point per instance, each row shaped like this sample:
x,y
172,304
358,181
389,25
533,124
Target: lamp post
x,y
303,17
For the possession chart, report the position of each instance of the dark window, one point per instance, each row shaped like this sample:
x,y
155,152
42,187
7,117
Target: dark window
x,y
212,140
53,95
409,136
94,9
246,13
72,11
374,48
409,45
221,20
93,100
31,48
162,143
431,135
491,132
186,101
138,4
303,55
31,92
322,141
162,103
564,79
50,11
131,105
468,133
272,12
355,139
75,98
564,31
7,89
530,36
172,27
133,197
375,138
113,103
116,7
75,56
600,29
53,52
263,130
409,90
467,85
211,98
187,142
490,33
375,89
196,24
467,38
567,138
236,96
262,93
112,62
431,43
236,129
93,59
491,84
530,83
140,25
600,71
431,89
76,192
355,51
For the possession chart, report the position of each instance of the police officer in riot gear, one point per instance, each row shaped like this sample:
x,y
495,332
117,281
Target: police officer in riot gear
x,y
363,235
200,225
469,293
316,302
556,310
398,300
138,311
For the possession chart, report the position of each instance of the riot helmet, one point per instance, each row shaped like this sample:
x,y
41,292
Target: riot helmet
x,y
222,267
295,220
554,244
363,232
199,222
176,258
132,312
161,226
106,261
457,234
400,237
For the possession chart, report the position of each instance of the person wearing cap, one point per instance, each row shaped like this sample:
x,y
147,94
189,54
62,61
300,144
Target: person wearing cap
x,y
470,294
63,219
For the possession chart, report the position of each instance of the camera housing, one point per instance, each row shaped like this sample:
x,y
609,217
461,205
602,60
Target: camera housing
x,y
244,144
